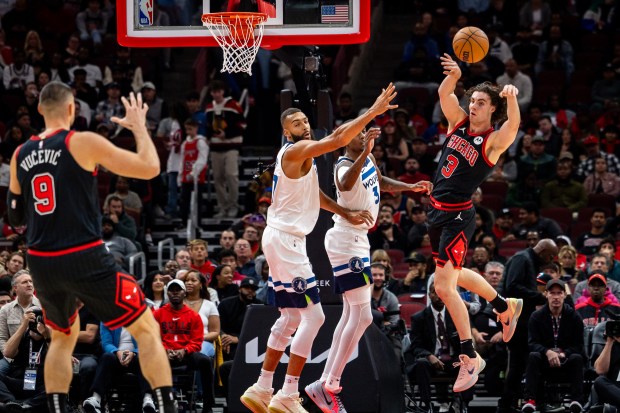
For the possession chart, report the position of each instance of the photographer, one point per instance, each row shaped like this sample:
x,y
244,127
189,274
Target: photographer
x,y
23,389
607,365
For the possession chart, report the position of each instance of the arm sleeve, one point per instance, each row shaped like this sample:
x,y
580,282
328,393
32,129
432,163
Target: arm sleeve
x,y
197,334
515,273
415,335
534,335
203,155
576,344
4,329
107,341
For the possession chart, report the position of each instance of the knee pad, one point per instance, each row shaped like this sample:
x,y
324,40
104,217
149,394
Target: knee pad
x,y
312,318
283,328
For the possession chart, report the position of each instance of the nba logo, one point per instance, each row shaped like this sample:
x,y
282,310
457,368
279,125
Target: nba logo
x,y
146,13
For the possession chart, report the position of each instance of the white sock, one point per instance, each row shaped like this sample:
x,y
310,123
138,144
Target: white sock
x,y
291,385
265,380
333,384
147,396
324,377
97,397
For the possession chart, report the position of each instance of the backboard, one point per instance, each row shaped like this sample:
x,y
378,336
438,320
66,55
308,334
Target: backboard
x,y
142,23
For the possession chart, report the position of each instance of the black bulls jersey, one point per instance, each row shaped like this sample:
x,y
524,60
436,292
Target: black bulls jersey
x,y
60,197
463,165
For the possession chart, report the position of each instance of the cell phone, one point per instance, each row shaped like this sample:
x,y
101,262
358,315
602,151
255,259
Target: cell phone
x,y
125,356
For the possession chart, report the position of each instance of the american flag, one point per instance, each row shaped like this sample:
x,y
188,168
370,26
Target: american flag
x,y
335,14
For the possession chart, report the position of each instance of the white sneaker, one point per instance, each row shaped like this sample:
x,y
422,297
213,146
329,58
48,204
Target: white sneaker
x,y
469,370
282,403
257,399
325,400
92,405
232,212
148,406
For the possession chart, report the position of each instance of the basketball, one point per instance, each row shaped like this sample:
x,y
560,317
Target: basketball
x,y
470,44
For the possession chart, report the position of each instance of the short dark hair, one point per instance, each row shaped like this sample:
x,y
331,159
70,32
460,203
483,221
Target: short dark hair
x,y
550,266
531,207
378,265
217,85
288,112
191,122
115,198
227,253
493,91
601,210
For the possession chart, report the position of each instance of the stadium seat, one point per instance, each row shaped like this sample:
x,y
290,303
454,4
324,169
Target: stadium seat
x,y
396,256
493,202
409,309
515,243
559,214
605,201
496,188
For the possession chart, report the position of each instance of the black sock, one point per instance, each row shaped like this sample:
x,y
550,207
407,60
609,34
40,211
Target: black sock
x,y
499,303
57,402
467,348
164,399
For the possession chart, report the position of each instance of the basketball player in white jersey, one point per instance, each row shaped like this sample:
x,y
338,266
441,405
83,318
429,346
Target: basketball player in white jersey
x,y
359,183
296,200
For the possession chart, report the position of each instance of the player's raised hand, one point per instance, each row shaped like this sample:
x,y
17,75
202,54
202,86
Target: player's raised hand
x,y
509,90
450,67
135,112
422,186
369,139
359,217
382,103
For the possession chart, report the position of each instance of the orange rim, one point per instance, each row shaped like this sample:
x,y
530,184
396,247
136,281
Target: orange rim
x,y
234,18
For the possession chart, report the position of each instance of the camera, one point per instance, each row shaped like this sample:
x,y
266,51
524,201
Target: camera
x,y
612,328
38,318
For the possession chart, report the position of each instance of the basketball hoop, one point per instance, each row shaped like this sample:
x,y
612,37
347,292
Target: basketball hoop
x,y
234,33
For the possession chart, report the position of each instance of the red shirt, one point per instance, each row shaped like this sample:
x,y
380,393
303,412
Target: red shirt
x,y
205,269
414,179
182,329
190,156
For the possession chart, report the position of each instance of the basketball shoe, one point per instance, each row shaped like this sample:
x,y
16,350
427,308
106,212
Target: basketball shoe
x,y
327,401
283,403
468,373
510,317
257,399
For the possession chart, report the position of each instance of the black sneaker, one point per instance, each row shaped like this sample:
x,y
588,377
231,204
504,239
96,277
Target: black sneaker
x,y
575,407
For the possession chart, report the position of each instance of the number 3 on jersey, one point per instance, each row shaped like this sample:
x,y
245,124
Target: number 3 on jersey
x,y
44,193
451,163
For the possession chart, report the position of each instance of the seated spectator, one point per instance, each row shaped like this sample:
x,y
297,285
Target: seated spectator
x,y
131,200
607,247
485,213
388,235
227,242
499,49
385,307
532,221
109,107
513,76
121,248
154,291
198,299
129,75
222,282
593,152
569,271
541,163
21,389
120,355
480,258
600,181
19,73
490,243
416,228
419,150
556,349
420,39
382,257
481,229
183,258
599,305
412,175
605,88
245,259
563,191
93,22
434,350
503,227
600,263
555,53
93,72
229,257
262,268
609,139
199,254
607,366
588,242
416,279
87,350
182,337
125,225
250,234
14,264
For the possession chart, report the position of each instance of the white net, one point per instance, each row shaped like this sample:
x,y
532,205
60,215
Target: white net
x,y
239,36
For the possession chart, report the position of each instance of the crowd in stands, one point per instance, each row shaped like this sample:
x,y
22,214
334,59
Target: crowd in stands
x,y
546,218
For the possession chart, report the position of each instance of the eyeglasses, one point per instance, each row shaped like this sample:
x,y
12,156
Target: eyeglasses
x,y
494,272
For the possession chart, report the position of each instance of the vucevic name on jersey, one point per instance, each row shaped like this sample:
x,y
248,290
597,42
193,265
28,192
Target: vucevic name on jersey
x,y
463,165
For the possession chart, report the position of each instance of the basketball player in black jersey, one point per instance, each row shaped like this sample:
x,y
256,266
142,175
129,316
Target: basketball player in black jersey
x,y
53,190
469,153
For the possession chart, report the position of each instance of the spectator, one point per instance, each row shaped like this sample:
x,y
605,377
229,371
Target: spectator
x,y
480,258
485,213
250,234
525,51
198,299
192,101
420,39
593,152
33,47
125,225
385,307
532,237
93,22
183,258
598,306
157,107
531,220
262,268
120,355
600,181
503,227
610,141
416,279
417,234
245,261
193,168
412,175
222,282
388,235
227,242
5,298
382,257
606,88
199,254
523,82
555,53
539,162
434,349
182,337
93,72
588,242
344,111
154,290
569,271
499,49
110,107
87,349
131,200
563,191
607,247
126,72
419,150
121,248
14,263
551,135
599,263
519,281
225,126
19,73
556,345
607,366
535,15
85,93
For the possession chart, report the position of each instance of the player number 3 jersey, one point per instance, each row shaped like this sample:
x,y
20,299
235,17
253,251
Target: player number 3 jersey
x,y
363,196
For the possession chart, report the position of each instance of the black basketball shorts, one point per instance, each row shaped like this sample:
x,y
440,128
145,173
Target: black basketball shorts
x,y
90,273
450,232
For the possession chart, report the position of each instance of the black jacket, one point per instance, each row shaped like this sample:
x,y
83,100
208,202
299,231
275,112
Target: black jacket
x,y
570,333
423,336
519,281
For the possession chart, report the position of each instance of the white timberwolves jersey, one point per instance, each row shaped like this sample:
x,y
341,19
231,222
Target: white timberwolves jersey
x,y
295,203
363,196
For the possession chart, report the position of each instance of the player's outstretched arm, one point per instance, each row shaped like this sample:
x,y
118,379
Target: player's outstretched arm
x,y
345,133
507,133
392,185
354,217
349,178
90,149
448,100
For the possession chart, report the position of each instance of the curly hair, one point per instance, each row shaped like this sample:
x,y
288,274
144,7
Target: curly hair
x,y
493,91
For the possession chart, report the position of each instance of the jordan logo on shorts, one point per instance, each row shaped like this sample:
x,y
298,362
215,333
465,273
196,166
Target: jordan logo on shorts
x,y
458,217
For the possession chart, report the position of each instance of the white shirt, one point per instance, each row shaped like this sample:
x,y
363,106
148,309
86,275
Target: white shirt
x,y
207,309
295,202
364,196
